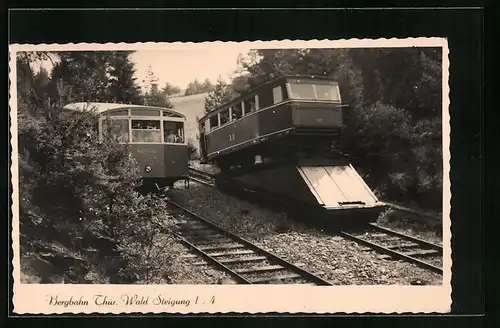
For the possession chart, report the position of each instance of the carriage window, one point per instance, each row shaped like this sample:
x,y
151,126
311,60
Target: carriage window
x,y
145,112
146,131
224,117
265,98
206,126
173,132
116,129
123,112
214,122
327,92
237,111
302,91
249,105
167,113
277,95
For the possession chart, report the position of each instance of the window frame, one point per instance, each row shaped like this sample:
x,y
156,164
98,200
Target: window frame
x,y
335,86
129,117
275,94
183,135
146,118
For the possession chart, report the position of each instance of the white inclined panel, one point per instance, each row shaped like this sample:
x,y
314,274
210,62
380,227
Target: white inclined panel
x,y
332,185
351,184
322,186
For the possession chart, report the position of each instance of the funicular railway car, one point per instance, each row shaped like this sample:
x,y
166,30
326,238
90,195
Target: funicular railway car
x,y
155,136
285,137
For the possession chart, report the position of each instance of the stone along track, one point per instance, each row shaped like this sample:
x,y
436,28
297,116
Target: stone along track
x,y
393,244
244,261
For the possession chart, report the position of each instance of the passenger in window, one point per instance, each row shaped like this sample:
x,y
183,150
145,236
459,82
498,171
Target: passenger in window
x,y
178,137
171,137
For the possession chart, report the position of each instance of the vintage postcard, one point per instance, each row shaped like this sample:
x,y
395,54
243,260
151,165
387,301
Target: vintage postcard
x,y
306,176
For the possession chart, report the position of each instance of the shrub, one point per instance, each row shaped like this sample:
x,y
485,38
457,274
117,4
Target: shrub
x,y
401,157
79,202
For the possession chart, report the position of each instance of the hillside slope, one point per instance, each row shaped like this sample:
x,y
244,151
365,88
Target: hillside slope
x,y
191,106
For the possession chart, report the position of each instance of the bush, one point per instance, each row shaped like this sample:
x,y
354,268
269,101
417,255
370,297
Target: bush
x,y
79,206
401,157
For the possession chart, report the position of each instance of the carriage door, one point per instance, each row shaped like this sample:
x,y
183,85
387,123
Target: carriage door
x,y
203,140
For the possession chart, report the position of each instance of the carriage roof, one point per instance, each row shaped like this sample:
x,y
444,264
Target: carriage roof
x,y
105,107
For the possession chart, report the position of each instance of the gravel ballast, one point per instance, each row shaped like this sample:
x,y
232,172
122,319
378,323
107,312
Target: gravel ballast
x,y
333,258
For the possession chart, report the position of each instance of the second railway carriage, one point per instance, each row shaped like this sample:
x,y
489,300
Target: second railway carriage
x,y
290,116
155,136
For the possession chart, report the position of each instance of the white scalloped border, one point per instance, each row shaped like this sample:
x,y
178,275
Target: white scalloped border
x,y
266,300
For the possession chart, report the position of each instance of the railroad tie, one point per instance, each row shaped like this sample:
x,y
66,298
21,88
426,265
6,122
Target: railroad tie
x,y
424,252
381,235
407,245
243,252
274,278
221,247
267,268
244,259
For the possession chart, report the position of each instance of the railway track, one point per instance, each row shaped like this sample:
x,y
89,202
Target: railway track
x,y
399,246
201,177
244,261
393,244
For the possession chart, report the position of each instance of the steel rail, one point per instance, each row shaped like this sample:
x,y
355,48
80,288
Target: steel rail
x,y
195,175
392,252
287,265
202,182
201,173
407,237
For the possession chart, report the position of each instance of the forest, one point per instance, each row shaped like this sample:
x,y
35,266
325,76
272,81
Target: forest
x,y
78,196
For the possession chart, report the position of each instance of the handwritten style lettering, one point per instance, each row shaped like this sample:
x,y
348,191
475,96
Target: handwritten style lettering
x,y
56,301
160,300
103,300
135,300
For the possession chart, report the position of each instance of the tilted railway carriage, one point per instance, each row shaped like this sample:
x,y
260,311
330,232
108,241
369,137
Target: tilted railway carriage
x,y
291,116
155,135
285,137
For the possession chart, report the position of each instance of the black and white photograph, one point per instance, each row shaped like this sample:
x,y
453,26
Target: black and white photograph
x,y
225,176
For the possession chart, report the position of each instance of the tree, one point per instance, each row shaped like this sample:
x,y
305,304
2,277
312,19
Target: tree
x,y
170,90
407,78
106,76
153,96
123,87
86,73
193,88
207,86
222,93
196,87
